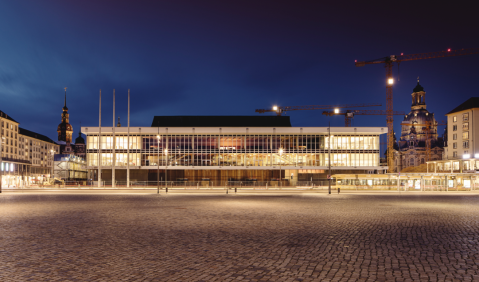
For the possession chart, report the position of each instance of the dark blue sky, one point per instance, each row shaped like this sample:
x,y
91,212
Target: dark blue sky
x,y
225,58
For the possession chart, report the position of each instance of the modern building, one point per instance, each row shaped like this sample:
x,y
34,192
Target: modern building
x,y
70,167
418,132
463,130
27,157
441,180
230,148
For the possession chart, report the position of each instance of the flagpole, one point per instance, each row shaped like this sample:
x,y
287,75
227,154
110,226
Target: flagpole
x,y
113,163
99,146
128,146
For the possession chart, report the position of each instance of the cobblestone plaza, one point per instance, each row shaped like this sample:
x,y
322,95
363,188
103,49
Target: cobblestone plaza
x,y
248,237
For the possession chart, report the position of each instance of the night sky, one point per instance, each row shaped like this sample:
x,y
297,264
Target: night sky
x,y
226,58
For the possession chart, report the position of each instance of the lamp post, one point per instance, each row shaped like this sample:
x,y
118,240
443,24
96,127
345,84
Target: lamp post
x,y
280,151
166,174
53,164
158,163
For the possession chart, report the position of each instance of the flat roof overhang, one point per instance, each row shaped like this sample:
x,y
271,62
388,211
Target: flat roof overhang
x,y
236,130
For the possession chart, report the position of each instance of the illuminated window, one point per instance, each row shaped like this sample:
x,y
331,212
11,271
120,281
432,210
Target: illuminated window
x,y
465,135
465,126
465,117
454,118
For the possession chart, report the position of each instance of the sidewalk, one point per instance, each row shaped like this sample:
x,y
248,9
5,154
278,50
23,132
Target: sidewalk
x,y
220,190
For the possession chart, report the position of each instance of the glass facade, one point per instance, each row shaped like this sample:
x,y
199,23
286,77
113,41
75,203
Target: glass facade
x,y
236,150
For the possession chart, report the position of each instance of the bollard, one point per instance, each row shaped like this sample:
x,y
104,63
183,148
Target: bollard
x,y
339,190
236,190
227,190
166,189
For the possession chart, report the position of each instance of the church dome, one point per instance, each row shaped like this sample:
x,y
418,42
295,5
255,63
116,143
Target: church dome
x,y
79,140
419,117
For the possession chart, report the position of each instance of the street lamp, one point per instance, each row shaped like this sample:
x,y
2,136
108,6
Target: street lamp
x,y
166,174
280,151
158,163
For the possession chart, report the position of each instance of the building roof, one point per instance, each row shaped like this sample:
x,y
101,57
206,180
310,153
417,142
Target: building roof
x,y
418,88
32,134
221,121
234,130
79,139
471,103
4,115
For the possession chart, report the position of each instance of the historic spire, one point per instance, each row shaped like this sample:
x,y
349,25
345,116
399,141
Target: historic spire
x,y
65,130
65,105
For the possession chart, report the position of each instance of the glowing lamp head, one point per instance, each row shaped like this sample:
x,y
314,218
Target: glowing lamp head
x,y
336,111
390,81
476,156
466,156
280,151
355,61
402,54
158,136
449,50
275,108
166,151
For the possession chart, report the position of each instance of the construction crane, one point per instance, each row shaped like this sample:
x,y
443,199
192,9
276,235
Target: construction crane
x,y
426,128
388,64
349,114
280,110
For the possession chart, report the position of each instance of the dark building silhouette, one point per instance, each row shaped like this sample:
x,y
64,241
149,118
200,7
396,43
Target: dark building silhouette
x,y
65,132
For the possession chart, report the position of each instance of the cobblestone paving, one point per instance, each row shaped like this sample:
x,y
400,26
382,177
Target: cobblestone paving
x,y
134,237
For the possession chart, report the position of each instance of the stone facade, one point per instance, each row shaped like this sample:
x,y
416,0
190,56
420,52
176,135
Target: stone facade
x,y
65,132
415,135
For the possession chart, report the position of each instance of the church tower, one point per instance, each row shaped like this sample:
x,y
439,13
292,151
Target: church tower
x,y
80,146
65,129
415,135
